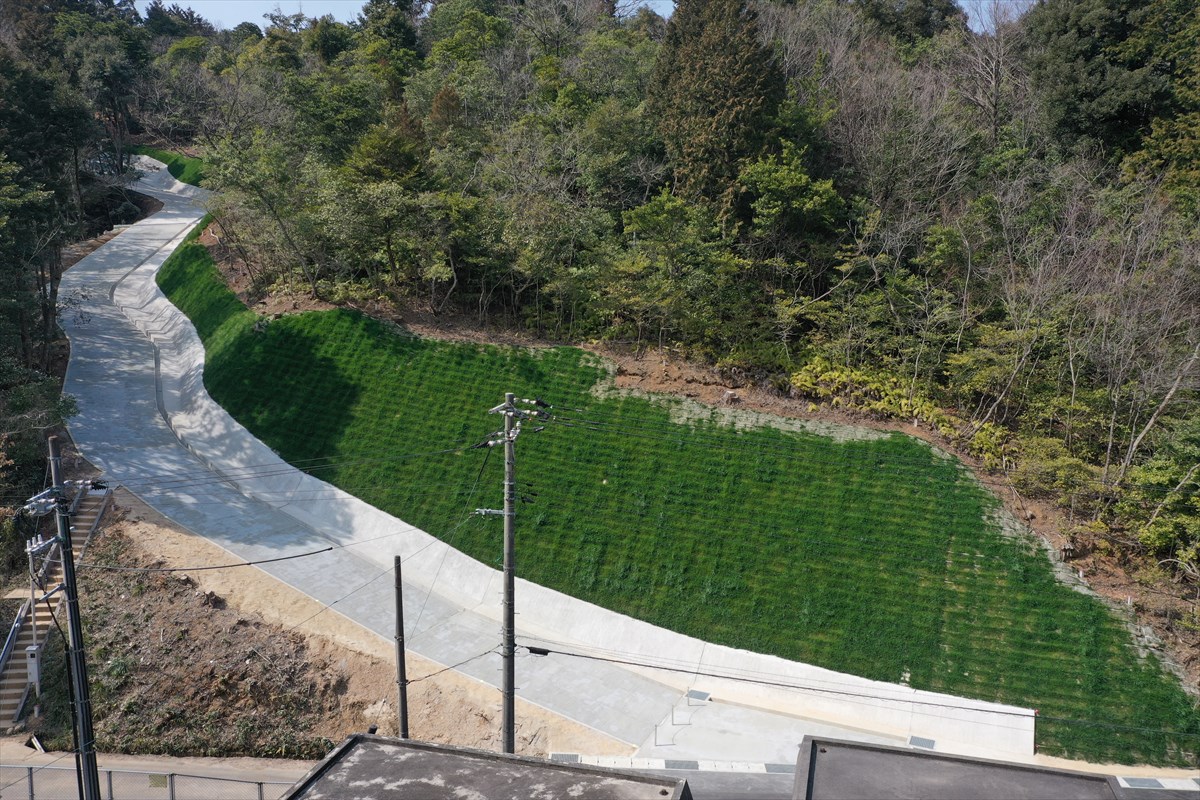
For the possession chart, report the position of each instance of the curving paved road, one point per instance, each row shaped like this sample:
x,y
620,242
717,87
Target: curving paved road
x,y
146,422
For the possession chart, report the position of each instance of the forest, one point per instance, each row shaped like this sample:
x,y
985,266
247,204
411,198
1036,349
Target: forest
x,y
984,221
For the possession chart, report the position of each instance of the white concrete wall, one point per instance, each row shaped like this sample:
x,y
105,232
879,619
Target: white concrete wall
x,y
956,724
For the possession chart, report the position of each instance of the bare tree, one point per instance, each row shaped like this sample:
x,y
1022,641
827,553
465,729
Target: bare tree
x,y
989,74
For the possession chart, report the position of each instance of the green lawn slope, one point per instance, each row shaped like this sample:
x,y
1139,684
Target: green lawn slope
x,y
185,169
868,557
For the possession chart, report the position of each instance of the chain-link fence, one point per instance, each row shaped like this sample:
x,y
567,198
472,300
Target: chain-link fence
x,y
59,783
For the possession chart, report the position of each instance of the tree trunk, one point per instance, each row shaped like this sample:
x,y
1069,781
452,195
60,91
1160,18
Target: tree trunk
x,y
1166,402
1178,487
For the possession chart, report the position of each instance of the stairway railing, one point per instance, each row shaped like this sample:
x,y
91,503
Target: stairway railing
x,y
11,642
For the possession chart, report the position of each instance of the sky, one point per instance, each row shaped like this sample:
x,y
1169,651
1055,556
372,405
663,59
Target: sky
x,y
228,13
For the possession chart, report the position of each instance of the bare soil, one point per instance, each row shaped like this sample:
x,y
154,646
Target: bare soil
x,y
233,662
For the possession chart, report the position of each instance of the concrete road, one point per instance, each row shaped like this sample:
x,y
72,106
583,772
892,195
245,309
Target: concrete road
x,y
120,428
123,428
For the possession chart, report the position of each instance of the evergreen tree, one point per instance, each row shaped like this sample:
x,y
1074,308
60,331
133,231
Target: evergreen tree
x,y
910,21
1098,94
1169,36
714,96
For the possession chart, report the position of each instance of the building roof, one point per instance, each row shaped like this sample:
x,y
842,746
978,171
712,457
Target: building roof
x,y
829,768
382,768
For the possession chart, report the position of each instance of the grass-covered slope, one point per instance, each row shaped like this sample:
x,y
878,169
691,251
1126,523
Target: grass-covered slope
x,y
185,169
869,557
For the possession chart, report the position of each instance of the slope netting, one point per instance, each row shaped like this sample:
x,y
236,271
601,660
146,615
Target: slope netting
x,y
874,555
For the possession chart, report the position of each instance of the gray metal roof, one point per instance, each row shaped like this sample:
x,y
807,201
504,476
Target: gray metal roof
x,y
829,769
381,768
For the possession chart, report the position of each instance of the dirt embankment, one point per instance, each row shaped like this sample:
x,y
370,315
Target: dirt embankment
x,y
233,662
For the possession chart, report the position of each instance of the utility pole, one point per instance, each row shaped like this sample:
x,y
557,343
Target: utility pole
x,y
89,775
508,648
513,417
401,667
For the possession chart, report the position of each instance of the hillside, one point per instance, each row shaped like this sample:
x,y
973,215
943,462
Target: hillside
x,y
868,553
981,220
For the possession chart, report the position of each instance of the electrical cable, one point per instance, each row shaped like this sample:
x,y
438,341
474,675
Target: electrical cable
x,y
449,541
37,769
201,477
688,433
71,699
932,603
110,568
687,666
859,548
764,682
328,606
205,478
331,492
452,666
861,695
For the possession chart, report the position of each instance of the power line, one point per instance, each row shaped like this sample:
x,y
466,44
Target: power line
x,y
861,695
329,606
464,662
764,682
330,492
449,541
176,480
111,568
326,607
758,534
733,440
39,768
